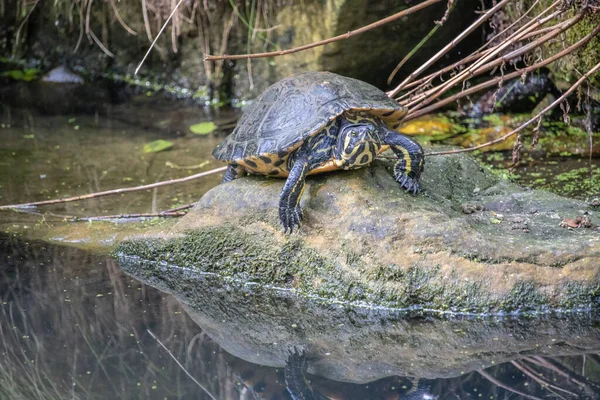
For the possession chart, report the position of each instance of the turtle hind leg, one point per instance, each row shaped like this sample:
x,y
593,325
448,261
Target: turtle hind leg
x,y
234,171
411,157
290,213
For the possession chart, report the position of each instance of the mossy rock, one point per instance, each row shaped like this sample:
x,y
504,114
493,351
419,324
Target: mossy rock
x,y
364,240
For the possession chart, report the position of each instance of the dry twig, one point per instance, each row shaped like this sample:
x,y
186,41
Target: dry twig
x,y
543,382
116,191
201,386
526,31
492,82
562,98
157,36
485,63
448,47
505,386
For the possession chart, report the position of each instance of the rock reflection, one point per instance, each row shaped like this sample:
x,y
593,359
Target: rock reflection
x,y
355,353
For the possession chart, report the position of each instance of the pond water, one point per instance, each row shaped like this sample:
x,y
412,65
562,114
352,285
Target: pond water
x,y
74,325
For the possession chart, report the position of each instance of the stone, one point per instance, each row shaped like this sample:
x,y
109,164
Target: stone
x,y
366,241
62,74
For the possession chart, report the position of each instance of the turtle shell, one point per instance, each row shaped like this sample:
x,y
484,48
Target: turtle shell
x,y
295,108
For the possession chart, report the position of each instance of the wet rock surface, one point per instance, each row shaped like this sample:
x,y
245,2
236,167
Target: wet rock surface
x,y
364,240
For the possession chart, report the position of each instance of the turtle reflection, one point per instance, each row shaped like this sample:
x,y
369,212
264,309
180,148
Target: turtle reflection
x,y
294,382
528,377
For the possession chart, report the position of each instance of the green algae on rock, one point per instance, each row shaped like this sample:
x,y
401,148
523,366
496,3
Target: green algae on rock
x,y
366,241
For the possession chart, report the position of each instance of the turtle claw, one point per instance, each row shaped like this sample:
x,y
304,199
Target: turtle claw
x,y
402,180
408,183
297,359
291,218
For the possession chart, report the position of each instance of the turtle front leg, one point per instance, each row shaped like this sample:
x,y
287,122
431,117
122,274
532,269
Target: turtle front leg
x,y
411,158
290,213
297,385
233,171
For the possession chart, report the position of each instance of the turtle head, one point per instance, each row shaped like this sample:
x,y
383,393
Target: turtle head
x,y
358,143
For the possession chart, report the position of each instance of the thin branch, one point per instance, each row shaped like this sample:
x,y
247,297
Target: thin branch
x,y
181,366
482,50
128,216
146,21
100,44
171,213
116,191
571,373
479,67
123,24
448,47
518,35
157,36
505,386
543,382
91,33
508,28
180,208
366,28
592,71
17,36
582,42
442,71
426,98
80,29
449,8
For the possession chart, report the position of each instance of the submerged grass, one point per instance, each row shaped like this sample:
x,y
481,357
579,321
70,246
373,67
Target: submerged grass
x,y
72,334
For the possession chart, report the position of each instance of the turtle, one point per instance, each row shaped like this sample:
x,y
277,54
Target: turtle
x,y
316,122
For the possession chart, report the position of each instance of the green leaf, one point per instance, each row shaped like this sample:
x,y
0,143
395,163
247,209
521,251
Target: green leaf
x,y
157,145
15,74
29,74
203,128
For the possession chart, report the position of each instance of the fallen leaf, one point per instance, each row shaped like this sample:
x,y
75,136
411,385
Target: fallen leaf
x,y
203,128
569,223
157,145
